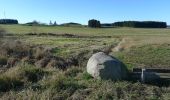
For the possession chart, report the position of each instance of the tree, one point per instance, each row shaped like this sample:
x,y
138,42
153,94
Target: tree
x,y
141,24
50,23
55,23
94,23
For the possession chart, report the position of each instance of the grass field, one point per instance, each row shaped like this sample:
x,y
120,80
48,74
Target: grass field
x,y
138,48
20,29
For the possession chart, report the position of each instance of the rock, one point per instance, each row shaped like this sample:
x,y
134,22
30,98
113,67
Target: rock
x,y
102,66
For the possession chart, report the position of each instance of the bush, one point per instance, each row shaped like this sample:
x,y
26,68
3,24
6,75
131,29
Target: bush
x,y
7,83
16,77
32,74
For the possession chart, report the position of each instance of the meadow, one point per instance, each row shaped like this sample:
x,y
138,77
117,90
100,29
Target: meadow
x,y
62,75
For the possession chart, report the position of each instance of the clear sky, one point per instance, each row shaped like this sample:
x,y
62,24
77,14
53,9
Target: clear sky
x,y
81,11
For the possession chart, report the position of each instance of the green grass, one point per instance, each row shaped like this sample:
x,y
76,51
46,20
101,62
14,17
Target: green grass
x,y
69,46
20,29
147,56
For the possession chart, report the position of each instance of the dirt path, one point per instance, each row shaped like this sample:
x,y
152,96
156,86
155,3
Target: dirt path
x,y
124,44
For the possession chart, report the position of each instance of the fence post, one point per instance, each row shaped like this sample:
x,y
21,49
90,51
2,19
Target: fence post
x,y
143,75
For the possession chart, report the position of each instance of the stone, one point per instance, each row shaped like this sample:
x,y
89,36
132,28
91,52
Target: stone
x,y
103,66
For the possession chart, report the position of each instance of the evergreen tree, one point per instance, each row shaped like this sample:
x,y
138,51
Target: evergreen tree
x,y
8,21
55,23
141,24
50,23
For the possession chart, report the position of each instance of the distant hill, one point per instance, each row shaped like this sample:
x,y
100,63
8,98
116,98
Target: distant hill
x,y
35,23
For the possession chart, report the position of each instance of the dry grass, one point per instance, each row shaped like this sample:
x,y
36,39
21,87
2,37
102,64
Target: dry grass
x,y
131,41
2,32
74,83
27,81
20,76
12,53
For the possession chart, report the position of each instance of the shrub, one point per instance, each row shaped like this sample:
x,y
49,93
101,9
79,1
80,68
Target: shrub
x,y
7,83
10,80
32,74
3,60
20,75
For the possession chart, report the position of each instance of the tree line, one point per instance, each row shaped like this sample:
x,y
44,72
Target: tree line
x,y
8,21
135,24
93,23
141,24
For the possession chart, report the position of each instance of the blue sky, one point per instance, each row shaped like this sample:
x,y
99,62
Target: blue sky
x,y
81,11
